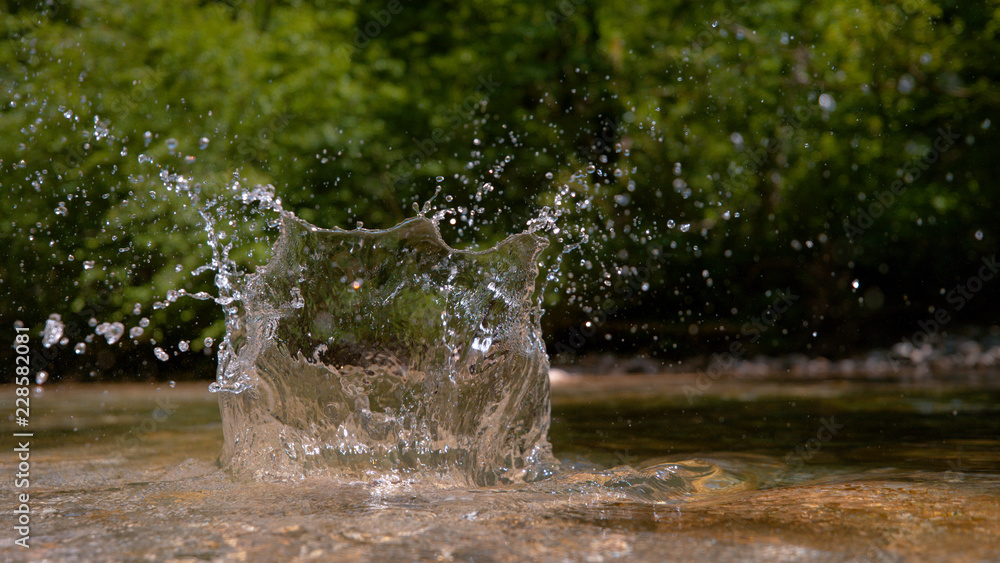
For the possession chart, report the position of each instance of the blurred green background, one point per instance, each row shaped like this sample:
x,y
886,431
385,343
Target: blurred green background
x,y
719,157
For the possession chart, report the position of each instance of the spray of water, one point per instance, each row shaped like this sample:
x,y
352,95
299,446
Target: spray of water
x,y
386,352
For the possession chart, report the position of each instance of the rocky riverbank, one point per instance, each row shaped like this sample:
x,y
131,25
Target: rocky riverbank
x,y
971,350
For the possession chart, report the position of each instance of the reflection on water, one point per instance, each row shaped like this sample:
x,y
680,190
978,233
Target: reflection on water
x,y
843,424
912,472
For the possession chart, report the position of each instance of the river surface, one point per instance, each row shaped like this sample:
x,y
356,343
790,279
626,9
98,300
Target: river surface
x,y
767,471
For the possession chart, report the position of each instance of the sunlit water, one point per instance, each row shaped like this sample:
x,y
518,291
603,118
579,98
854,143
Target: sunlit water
x,y
370,354
388,356
382,396
909,472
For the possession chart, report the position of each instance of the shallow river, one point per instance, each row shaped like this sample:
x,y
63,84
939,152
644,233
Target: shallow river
x,y
818,471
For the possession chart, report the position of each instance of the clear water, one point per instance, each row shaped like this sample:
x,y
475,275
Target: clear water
x,y
365,354
381,396
388,356
130,472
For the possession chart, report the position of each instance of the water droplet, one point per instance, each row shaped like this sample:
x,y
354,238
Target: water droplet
x,y
548,175
184,345
209,341
203,143
147,137
161,354
171,144
53,330
80,348
112,332
855,284
41,377
135,332
979,235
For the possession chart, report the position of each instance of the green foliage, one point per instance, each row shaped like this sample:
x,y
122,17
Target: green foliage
x,y
767,129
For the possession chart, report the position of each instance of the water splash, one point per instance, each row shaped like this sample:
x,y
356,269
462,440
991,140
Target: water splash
x,y
53,332
379,354
382,353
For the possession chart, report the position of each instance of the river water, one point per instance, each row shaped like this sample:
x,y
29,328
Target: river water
x,y
748,471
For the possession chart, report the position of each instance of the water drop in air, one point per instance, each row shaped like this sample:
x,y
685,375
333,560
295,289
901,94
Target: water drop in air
x,y
53,330
112,332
